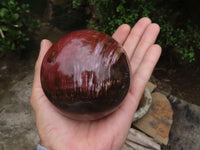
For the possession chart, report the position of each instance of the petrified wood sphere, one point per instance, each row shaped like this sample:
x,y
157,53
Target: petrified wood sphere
x,y
85,74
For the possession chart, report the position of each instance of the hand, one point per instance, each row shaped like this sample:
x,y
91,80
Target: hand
x,y
57,132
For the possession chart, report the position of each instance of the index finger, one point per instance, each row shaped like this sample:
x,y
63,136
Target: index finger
x,y
121,33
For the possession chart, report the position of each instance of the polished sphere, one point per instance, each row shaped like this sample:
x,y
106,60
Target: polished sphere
x,y
86,75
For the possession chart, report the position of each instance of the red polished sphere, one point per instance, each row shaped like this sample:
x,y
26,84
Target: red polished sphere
x,y
85,74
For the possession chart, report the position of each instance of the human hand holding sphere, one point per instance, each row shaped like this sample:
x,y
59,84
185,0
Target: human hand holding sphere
x,y
57,131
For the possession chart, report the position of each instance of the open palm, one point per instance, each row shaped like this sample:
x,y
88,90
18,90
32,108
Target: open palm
x,y
60,133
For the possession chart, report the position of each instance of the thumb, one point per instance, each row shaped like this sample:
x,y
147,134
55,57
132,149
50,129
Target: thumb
x,y
37,89
44,46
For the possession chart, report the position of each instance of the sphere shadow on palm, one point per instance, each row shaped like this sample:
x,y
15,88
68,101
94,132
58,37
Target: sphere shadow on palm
x,y
59,132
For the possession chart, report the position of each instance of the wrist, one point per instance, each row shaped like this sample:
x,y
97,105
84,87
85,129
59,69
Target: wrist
x,y
51,147
46,145
40,147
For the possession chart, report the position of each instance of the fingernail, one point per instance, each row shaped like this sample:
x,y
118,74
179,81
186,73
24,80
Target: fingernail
x,y
41,43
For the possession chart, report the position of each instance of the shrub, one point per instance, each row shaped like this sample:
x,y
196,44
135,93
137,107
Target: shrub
x,y
16,26
183,39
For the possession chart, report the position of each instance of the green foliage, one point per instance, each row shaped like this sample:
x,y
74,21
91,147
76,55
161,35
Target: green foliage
x,y
111,14
16,26
183,40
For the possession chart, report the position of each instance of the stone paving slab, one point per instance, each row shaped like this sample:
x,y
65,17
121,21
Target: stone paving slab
x,y
185,131
158,120
17,124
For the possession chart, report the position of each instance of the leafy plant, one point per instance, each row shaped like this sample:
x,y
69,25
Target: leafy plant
x,y
182,40
16,26
111,13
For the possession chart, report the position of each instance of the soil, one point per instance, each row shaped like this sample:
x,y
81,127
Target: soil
x,y
14,69
180,81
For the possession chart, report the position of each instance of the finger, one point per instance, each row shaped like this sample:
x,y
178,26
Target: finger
x,y
144,71
44,46
125,114
121,33
148,38
135,35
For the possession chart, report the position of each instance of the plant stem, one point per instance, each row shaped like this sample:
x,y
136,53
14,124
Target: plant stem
x,y
2,35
